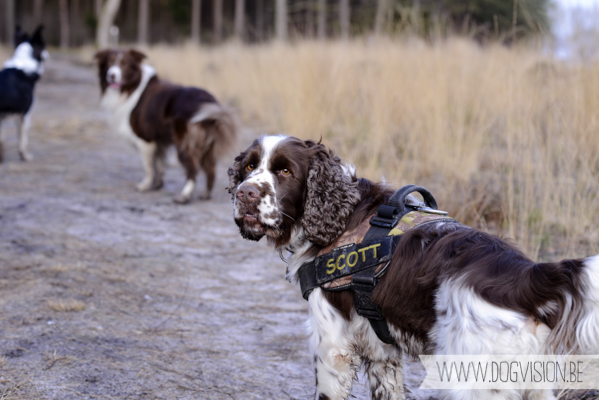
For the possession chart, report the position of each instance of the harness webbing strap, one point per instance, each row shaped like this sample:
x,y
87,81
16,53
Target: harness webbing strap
x,y
361,261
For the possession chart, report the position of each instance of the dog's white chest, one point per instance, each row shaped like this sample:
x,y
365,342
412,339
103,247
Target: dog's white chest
x,y
120,109
121,105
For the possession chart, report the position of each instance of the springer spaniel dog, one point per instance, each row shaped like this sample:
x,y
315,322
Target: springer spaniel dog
x,y
449,289
153,114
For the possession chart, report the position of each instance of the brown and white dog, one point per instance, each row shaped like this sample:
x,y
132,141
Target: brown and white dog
x,y
153,114
449,290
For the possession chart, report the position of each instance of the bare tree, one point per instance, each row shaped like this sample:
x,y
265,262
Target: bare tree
x,y
322,19
309,18
38,9
105,21
97,8
143,21
75,20
239,19
281,20
260,19
196,17
65,28
344,18
217,20
382,7
9,20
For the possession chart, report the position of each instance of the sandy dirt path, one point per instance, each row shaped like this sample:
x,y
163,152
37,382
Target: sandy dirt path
x,y
113,294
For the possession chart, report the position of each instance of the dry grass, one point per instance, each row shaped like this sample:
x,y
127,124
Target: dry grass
x,y
66,305
505,138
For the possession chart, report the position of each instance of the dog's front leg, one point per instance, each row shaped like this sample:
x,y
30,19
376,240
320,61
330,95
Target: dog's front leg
x,y
147,150
386,378
334,349
23,129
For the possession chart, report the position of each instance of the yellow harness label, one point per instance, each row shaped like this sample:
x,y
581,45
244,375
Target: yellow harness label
x,y
353,258
343,260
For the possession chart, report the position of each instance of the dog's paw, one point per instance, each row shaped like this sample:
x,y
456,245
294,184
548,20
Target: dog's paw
x,y
205,196
181,199
158,184
145,185
25,156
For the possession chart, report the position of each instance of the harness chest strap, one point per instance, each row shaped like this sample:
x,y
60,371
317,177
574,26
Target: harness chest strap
x,y
353,252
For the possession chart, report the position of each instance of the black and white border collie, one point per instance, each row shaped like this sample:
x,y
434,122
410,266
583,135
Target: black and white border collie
x,y
153,114
17,83
449,290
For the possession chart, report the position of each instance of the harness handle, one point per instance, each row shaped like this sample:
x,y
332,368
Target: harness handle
x,y
399,198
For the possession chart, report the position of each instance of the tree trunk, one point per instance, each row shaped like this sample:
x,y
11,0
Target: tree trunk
x,y
344,18
281,20
97,9
196,18
9,21
109,10
38,9
217,20
75,18
63,6
381,12
322,19
143,21
239,19
310,19
260,19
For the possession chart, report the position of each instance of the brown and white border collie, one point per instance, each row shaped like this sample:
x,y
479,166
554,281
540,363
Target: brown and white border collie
x,y
153,114
449,289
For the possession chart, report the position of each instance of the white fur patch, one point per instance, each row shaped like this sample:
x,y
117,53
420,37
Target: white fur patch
x,y
23,60
469,325
121,105
587,328
269,212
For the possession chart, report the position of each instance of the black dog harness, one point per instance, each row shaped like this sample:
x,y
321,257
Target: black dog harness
x,y
359,264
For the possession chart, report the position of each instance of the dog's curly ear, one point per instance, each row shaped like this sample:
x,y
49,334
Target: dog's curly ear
x,y
332,195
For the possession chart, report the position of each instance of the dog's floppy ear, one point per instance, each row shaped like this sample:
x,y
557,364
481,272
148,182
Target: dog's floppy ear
x,y
138,56
102,55
331,196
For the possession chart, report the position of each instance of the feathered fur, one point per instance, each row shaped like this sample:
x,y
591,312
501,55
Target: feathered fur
x,y
449,289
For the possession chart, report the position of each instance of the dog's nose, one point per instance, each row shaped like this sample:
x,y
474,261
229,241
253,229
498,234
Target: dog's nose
x,y
111,76
248,194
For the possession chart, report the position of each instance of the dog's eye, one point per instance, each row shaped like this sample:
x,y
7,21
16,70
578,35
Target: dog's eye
x,y
250,167
285,171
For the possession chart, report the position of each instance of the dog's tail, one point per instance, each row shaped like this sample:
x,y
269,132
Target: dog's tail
x,y
218,124
575,317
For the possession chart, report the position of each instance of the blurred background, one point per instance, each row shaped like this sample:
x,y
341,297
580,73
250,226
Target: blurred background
x,y
492,104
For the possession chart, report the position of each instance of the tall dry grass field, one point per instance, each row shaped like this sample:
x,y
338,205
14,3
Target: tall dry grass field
x,y
506,139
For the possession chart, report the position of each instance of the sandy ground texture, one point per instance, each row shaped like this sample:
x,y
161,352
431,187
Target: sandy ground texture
x,y
107,293
113,294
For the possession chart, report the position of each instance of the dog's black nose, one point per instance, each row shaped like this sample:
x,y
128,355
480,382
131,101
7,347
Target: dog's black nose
x,y
248,194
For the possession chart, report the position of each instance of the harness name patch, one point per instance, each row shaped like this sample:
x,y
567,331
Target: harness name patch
x,y
352,258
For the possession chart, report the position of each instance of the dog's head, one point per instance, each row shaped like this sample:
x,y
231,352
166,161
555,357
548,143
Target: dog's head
x,y
119,69
283,185
30,52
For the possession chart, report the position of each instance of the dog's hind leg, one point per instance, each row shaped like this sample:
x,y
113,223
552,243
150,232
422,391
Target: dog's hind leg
x,y
335,357
208,164
191,170
24,123
159,158
147,151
